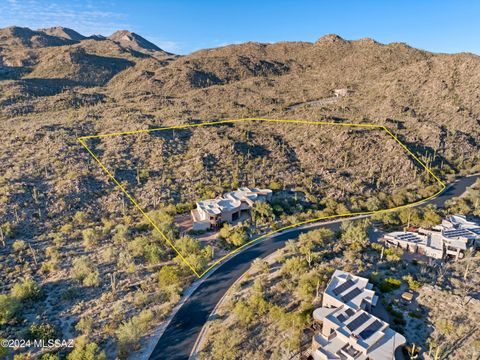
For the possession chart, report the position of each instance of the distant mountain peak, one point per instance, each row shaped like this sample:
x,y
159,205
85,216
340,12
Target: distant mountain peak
x,y
63,32
331,38
133,41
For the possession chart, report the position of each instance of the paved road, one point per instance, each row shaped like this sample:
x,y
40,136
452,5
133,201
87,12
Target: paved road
x,y
179,337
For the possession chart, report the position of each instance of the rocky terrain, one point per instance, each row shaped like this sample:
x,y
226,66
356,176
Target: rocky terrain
x,y
59,213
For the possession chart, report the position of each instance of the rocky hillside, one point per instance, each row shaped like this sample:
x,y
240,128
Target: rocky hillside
x,y
57,205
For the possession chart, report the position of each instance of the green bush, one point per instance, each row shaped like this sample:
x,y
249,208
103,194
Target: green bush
x,y
19,245
42,331
85,325
7,229
412,283
168,275
82,266
91,237
86,351
389,284
153,253
26,290
92,279
130,331
8,308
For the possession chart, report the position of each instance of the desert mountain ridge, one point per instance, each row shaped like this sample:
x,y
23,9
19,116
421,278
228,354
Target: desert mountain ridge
x,y
65,223
50,69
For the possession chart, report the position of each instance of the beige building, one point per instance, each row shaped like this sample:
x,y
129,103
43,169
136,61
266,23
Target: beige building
x,y
227,209
452,238
348,329
425,244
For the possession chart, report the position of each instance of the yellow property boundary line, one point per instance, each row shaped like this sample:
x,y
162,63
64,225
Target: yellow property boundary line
x,y
122,188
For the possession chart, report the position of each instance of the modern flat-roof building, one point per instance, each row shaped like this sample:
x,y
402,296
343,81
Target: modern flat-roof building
x,y
452,238
211,213
430,245
349,330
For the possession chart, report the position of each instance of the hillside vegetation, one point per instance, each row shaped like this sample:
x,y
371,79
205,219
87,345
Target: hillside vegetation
x,y
77,257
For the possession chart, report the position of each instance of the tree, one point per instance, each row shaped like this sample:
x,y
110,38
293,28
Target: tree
x,y
168,276
316,237
187,245
85,350
430,217
294,266
354,233
238,237
165,223
244,312
262,213
130,331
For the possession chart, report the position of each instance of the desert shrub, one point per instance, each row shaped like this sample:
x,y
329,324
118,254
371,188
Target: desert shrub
x,y
28,289
244,312
108,254
19,245
8,308
259,265
393,254
354,233
130,331
85,272
80,217
235,236
153,253
92,279
86,351
262,213
121,234
66,229
58,239
137,245
7,229
308,285
187,245
316,237
42,331
389,284
81,267
226,344
168,275
275,185
85,325
91,236
294,266
412,283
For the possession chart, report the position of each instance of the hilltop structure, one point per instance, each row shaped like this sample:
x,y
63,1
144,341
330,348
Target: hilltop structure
x,y
348,329
452,238
211,213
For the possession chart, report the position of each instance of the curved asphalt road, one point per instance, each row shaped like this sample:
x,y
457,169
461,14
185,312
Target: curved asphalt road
x,y
180,335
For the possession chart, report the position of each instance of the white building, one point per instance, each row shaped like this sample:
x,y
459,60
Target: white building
x,y
229,208
426,244
349,331
452,238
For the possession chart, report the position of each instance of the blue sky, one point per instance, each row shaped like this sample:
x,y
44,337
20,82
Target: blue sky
x,y
186,26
